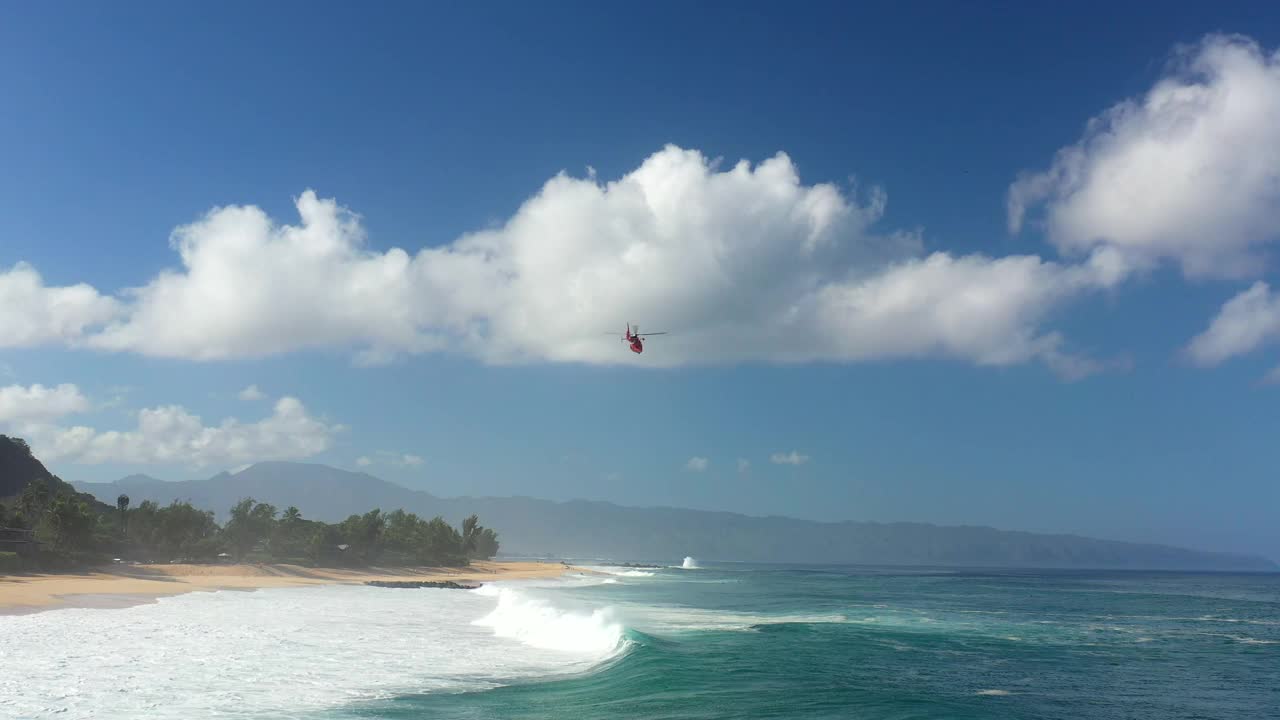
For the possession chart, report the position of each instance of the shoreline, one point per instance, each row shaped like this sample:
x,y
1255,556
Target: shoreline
x,y
118,586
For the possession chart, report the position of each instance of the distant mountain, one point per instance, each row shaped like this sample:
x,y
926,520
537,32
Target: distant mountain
x,y
603,530
319,491
137,480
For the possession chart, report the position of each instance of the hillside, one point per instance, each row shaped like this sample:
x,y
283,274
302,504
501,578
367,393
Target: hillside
x,y
18,468
603,530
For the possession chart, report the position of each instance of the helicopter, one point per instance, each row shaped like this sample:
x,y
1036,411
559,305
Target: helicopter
x,y
635,338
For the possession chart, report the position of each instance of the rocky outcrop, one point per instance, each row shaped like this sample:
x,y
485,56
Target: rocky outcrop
x,y
447,584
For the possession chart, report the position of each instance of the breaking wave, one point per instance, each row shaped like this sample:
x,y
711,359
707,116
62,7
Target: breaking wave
x,y
539,624
311,649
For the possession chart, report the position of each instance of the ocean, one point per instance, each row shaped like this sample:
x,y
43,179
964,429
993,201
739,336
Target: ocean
x,y
716,641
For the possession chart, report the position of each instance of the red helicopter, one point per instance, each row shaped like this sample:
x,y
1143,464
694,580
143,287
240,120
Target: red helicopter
x,y
634,338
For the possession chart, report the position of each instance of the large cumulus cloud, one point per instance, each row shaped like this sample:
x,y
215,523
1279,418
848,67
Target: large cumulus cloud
x,y
1189,173
742,264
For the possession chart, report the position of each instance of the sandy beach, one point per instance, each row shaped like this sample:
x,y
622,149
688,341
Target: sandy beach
x,y
122,585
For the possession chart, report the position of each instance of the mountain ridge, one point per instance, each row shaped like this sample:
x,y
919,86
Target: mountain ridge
x,y
595,528
19,468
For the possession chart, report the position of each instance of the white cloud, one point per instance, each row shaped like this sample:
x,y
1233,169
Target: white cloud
x,y
37,403
172,435
982,309
792,458
33,314
697,464
386,457
798,276
1189,173
118,394
252,393
251,288
743,465
743,264
1245,322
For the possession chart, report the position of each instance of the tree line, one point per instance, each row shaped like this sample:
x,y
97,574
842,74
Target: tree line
x,y
73,528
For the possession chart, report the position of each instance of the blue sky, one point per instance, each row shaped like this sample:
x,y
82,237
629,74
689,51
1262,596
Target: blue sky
x,y
1086,373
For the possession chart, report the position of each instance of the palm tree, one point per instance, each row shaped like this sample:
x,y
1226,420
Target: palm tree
x,y
122,503
291,515
35,497
470,531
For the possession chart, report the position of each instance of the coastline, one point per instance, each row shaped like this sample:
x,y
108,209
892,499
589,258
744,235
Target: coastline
x,y
125,585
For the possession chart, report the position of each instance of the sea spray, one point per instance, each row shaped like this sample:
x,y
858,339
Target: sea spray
x,y
537,623
690,564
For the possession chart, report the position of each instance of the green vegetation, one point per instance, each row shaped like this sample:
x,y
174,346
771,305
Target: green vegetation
x,y
10,562
478,540
73,529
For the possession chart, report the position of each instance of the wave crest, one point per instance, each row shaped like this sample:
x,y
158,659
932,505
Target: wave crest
x,y
620,571
536,622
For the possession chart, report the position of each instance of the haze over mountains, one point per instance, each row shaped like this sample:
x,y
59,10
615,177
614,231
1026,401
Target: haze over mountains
x,y
529,526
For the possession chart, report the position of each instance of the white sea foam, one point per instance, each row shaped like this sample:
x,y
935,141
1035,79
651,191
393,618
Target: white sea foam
x,y
1256,641
1213,618
538,623
659,618
689,564
256,654
571,580
620,571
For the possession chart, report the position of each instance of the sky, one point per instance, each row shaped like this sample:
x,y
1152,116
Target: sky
x,y
1006,264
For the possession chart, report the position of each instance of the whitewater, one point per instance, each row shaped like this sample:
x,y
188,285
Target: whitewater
x,y
284,651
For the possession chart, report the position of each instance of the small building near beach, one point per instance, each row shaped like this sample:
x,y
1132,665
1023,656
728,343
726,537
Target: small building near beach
x,y
19,540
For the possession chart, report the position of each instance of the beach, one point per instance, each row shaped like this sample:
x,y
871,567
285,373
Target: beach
x,y
123,585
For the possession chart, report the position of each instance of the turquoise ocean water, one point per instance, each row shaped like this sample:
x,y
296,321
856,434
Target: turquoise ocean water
x,y
740,641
